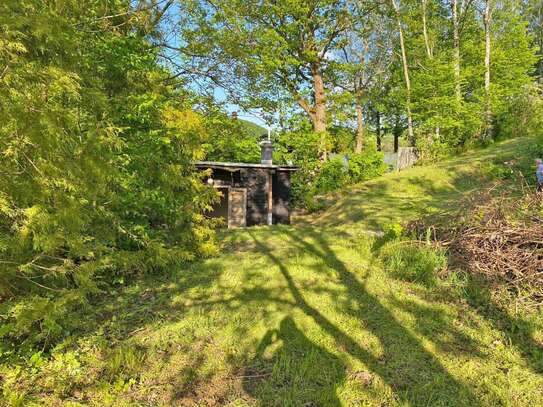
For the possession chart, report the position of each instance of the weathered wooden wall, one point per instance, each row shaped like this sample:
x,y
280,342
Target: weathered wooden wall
x,y
237,207
255,181
281,197
220,209
257,198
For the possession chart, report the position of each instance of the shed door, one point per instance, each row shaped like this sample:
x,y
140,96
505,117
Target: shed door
x,y
237,204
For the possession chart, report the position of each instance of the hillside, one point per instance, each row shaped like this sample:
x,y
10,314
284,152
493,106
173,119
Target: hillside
x,y
253,130
305,316
424,190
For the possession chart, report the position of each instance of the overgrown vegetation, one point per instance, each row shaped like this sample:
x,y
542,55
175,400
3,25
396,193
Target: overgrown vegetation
x,y
407,288
499,239
290,315
96,152
316,178
412,261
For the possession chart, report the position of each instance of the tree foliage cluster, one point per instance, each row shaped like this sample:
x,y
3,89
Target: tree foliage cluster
x,y
97,143
341,76
442,74
315,177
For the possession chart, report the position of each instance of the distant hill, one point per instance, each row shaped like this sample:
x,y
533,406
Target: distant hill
x,y
253,129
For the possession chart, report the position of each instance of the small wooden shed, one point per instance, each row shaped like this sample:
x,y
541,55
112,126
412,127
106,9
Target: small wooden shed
x,y
251,194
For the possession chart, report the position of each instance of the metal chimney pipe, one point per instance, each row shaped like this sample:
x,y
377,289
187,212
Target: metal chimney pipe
x,y
266,150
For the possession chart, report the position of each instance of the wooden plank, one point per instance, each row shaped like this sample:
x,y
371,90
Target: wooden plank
x,y
237,207
270,198
281,197
257,197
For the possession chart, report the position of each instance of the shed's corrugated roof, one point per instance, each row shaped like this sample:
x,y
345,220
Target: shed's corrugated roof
x,y
233,166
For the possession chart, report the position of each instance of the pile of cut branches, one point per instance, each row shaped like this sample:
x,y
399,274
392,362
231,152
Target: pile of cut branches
x,y
500,239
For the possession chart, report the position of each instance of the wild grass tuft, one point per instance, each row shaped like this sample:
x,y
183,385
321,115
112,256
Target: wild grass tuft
x,y
124,361
412,261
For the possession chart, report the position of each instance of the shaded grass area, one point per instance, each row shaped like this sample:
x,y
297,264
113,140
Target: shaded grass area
x,y
292,317
302,316
425,190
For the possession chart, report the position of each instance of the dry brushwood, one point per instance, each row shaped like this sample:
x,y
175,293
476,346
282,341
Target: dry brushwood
x,y
500,239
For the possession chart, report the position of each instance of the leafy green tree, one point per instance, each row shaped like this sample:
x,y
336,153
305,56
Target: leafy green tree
x,y
533,14
267,51
362,65
231,139
455,88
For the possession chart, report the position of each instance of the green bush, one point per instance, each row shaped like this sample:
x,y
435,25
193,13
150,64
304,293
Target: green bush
x,y
412,261
332,176
524,116
315,178
366,165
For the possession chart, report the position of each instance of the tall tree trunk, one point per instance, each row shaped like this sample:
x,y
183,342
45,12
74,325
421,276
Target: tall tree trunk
x,y
456,52
425,30
360,82
319,116
488,106
410,133
378,130
359,128
396,133
429,50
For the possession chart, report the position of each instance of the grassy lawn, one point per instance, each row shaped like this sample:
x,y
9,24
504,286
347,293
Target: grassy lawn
x,y
303,316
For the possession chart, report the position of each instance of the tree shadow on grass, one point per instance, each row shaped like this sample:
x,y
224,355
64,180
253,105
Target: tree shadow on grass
x,y
291,370
405,365
400,198
289,367
516,330
434,324
145,301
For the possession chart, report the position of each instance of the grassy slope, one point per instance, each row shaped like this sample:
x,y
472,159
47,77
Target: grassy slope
x,y
305,316
420,191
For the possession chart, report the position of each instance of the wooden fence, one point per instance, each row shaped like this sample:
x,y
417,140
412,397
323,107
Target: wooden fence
x,y
405,157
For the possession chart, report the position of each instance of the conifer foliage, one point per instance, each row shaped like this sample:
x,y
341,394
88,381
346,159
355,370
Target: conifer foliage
x,y
96,145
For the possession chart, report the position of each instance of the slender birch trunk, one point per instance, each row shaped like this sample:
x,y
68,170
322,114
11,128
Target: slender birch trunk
x,y
488,107
429,51
410,133
378,130
456,52
359,84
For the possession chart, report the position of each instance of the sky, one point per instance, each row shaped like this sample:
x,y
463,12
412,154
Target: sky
x,y
242,114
